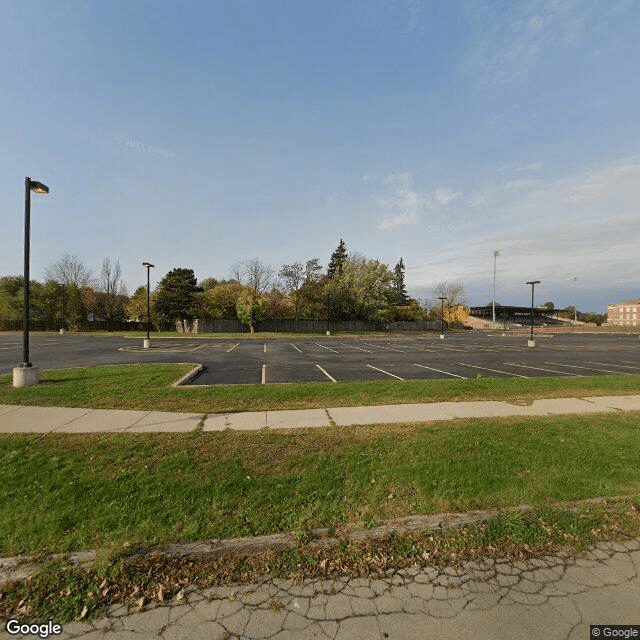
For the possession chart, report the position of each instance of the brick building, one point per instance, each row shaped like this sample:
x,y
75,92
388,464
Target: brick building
x,y
624,314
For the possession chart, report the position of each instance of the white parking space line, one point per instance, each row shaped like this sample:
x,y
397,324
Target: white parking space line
x,y
525,366
406,346
264,374
350,345
296,348
17,346
630,362
327,348
613,365
508,373
455,375
383,371
575,366
232,348
378,346
326,374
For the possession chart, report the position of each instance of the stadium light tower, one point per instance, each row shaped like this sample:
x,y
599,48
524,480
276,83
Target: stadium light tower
x,y
496,253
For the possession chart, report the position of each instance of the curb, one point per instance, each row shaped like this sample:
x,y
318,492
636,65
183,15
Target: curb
x,y
188,376
21,567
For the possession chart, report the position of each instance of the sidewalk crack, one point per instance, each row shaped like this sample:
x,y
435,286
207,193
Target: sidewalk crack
x,y
332,422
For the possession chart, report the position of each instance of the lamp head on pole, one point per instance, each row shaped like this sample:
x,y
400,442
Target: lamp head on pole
x,y
148,265
38,187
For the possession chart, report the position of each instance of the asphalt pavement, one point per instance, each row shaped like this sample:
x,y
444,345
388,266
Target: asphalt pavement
x,y
341,358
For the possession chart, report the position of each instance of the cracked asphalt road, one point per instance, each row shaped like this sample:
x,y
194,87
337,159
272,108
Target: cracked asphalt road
x,y
550,597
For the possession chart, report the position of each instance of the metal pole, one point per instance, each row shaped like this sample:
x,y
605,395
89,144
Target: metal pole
x,y
148,300
63,306
25,299
442,299
533,283
496,253
532,287
149,266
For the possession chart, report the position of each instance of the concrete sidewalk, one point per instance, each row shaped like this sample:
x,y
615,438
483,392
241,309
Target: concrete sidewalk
x,y
26,419
551,597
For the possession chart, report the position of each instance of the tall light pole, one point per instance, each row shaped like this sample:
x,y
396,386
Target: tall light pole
x,y
26,374
442,299
62,329
496,253
575,302
147,342
329,300
533,283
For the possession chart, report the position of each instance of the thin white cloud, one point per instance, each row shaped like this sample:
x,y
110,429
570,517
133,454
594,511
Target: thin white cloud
x,y
585,225
401,220
508,38
445,196
410,13
521,168
522,183
407,205
482,199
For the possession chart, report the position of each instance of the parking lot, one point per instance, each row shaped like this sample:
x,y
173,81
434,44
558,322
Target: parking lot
x,y
459,356
335,359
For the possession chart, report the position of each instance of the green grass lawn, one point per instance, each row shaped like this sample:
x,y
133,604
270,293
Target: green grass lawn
x,y
78,491
120,492
147,387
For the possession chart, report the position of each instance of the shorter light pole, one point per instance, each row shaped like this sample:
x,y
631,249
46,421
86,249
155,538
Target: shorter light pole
x,y
575,303
329,299
496,253
442,299
147,342
533,283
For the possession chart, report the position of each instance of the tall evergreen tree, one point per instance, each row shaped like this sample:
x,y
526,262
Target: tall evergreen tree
x,y
338,258
402,298
176,296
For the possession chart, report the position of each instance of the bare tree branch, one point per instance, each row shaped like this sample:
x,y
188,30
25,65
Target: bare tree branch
x,y
68,270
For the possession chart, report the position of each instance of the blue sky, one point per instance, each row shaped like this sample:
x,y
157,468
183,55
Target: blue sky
x,y
194,134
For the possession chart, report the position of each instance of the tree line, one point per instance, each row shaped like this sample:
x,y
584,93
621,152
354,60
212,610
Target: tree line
x,y
352,287
69,298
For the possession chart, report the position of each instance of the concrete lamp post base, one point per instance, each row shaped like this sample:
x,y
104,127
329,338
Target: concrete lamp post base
x,y
328,333
146,344
63,331
442,336
531,343
25,376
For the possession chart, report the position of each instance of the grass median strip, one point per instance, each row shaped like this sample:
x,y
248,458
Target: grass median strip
x,y
147,387
66,492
